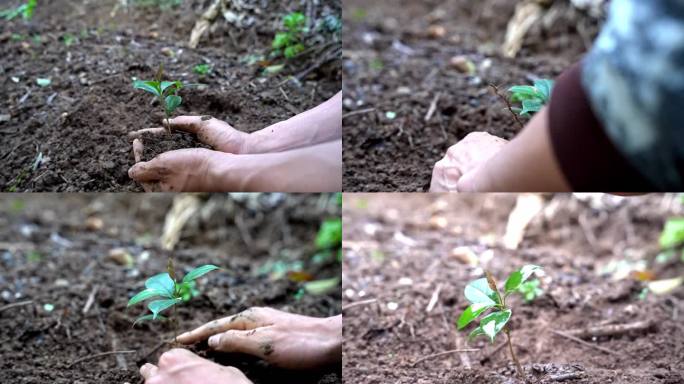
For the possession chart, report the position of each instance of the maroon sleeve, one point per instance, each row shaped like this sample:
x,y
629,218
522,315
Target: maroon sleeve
x,y
587,156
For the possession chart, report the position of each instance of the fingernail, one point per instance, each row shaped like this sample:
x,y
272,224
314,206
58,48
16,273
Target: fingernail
x,y
214,340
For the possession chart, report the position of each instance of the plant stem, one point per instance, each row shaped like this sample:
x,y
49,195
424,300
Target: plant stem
x,y
175,325
518,367
508,104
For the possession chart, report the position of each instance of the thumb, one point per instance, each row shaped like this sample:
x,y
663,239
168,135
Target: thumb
x,y
249,342
145,172
469,182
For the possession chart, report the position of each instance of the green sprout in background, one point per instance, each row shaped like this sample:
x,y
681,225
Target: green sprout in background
x,y
530,290
169,291
532,97
484,295
202,69
25,10
165,91
290,43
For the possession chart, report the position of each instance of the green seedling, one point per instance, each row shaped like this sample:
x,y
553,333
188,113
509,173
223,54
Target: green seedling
x,y
290,43
165,91
484,296
169,292
530,290
25,10
531,97
202,69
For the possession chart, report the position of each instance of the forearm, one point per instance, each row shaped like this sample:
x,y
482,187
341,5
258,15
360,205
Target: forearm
x,y
315,126
316,168
526,164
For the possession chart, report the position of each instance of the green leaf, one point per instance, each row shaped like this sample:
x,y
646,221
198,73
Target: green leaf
x,y
173,102
199,271
322,287
523,92
475,333
544,86
493,323
520,276
159,306
330,234
531,105
161,282
152,87
147,294
185,290
294,21
281,40
147,318
166,84
274,69
471,313
513,282
673,233
294,50
478,292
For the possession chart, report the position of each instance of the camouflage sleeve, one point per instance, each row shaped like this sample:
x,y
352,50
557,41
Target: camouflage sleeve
x,y
634,80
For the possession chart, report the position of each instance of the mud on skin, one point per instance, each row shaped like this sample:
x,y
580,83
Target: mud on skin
x,y
36,346
81,120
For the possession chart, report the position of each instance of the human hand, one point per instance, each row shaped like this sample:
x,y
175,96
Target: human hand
x,y
183,170
210,131
180,366
462,158
282,339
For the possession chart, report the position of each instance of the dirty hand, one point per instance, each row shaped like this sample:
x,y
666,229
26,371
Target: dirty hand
x,y
180,366
213,132
183,170
282,339
462,158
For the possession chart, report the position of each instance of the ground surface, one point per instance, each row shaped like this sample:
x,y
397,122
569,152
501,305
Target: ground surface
x,y
80,122
51,253
393,63
398,249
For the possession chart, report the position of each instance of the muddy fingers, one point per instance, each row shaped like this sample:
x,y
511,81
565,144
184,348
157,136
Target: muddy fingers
x,y
242,321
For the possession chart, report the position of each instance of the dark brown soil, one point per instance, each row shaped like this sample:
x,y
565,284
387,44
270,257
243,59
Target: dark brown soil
x,y
398,249
80,122
155,144
392,64
51,253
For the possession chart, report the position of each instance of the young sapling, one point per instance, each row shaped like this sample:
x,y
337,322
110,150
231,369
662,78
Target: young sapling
x,y
484,295
165,91
531,97
169,292
291,42
25,10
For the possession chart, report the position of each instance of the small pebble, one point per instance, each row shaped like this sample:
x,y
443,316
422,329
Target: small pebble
x,y
437,31
392,306
462,64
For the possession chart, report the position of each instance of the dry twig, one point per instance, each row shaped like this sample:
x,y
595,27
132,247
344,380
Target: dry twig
x,y
358,303
13,305
586,344
95,356
443,354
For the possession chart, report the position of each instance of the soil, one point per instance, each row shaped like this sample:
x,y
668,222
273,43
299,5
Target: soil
x,y
400,249
80,122
394,64
57,253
